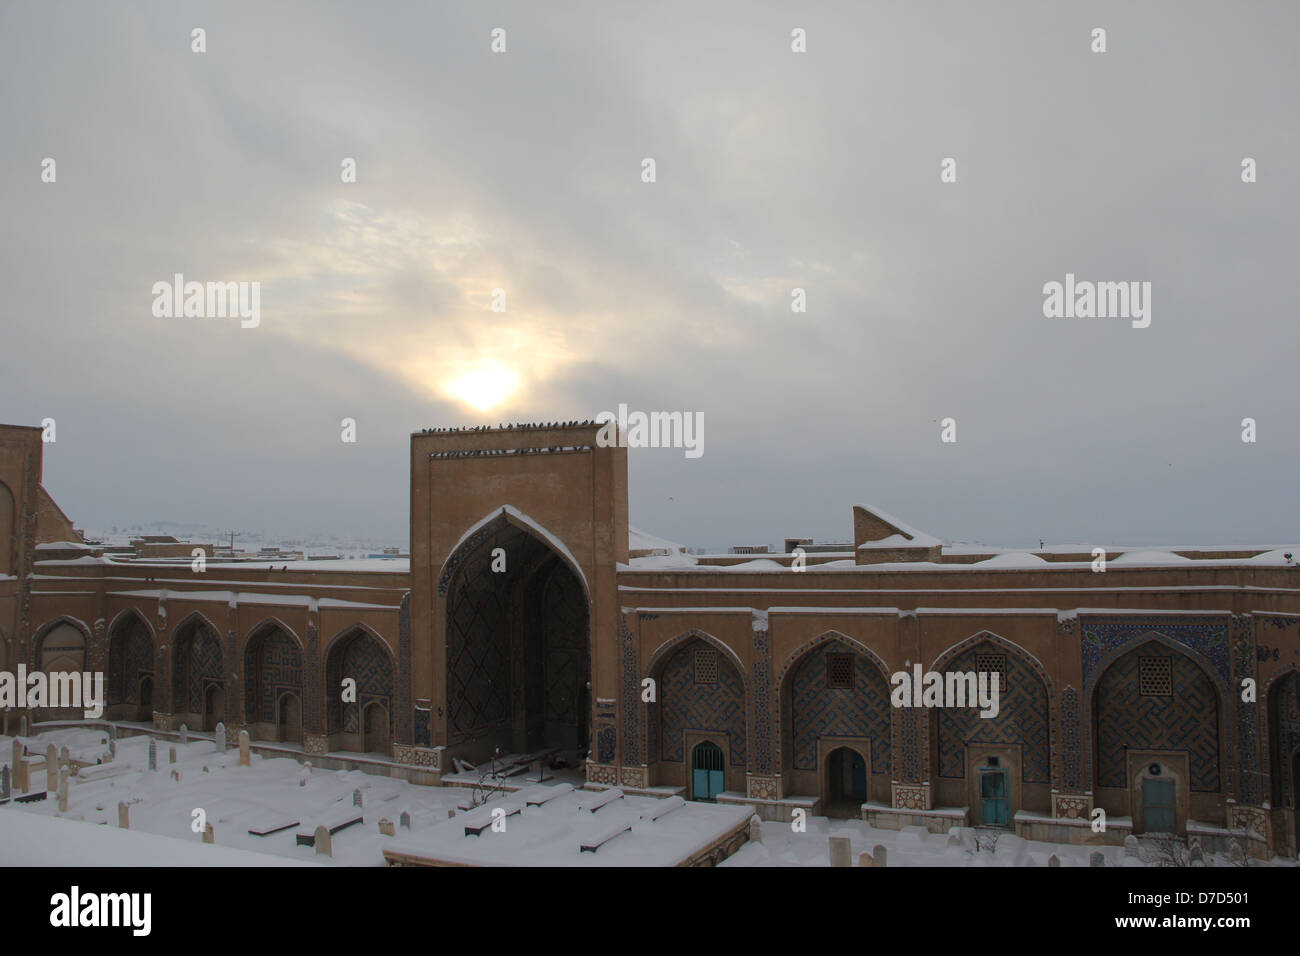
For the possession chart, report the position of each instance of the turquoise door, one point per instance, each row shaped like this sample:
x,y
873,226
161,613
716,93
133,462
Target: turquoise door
x,y
1158,806
993,798
706,771
859,777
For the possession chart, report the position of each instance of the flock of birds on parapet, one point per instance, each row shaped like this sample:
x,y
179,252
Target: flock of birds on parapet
x,y
504,428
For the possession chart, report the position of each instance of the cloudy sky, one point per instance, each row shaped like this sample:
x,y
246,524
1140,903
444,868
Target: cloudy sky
x,y
775,170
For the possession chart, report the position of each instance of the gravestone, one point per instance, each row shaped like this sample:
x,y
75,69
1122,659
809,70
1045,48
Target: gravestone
x,y
404,821
324,843
209,834
220,738
880,855
171,754
176,775
153,754
22,726
840,851
51,768
112,731
864,859
1196,854
123,816
4,783
23,776
954,838
245,759
1097,859
1236,854
18,751
356,798
65,760
112,748
1131,846
451,812
1053,860
755,829
386,828
185,735
63,792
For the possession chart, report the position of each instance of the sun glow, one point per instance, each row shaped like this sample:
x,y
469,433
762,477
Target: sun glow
x,y
484,387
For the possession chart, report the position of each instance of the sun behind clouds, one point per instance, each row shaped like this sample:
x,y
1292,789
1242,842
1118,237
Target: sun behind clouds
x,y
484,387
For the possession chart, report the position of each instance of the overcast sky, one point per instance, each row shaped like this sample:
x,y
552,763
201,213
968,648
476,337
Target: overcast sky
x,y
775,170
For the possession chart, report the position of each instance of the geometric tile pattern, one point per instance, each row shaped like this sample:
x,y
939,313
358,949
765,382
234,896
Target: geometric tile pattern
x,y
761,746
272,668
1100,636
909,744
1245,756
364,659
817,709
1071,741
413,726
196,664
130,657
1284,736
1129,720
632,709
687,705
1023,718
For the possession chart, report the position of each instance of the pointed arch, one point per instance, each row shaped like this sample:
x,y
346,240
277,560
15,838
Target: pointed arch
x,y
983,636
132,651
1191,717
189,620
491,523
695,633
59,660
273,658
1027,715
358,652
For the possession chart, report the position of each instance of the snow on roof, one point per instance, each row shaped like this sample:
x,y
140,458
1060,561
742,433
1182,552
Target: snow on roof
x,y
910,537
638,540
1011,559
1150,557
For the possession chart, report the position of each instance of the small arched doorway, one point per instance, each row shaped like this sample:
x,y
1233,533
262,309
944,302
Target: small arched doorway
x,y
846,782
214,707
144,698
290,722
374,729
708,766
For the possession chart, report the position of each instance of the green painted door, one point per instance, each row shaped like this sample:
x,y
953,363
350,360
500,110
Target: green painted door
x,y
706,771
859,777
993,798
1158,814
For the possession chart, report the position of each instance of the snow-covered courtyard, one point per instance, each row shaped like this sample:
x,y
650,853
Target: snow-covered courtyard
x,y
167,808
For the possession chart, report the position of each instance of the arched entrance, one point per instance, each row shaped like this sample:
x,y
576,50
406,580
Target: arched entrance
x,y
198,695
374,729
361,658
289,707
517,659
846,783
214,707
272,671
144,696
708,771
1156,724
130,664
